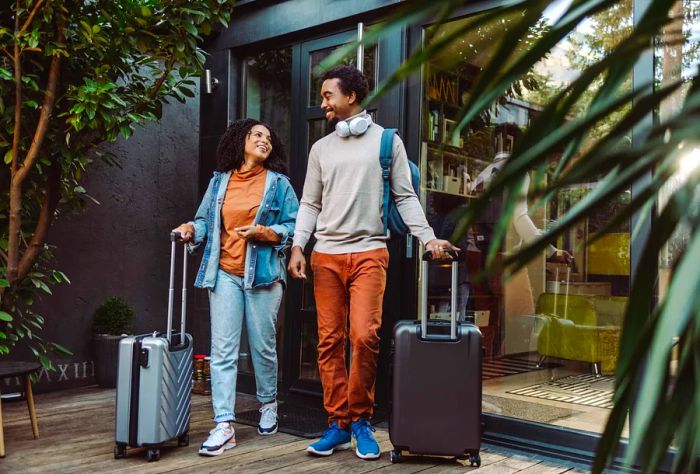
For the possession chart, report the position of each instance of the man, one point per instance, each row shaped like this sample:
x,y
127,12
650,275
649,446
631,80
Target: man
x,y
342,201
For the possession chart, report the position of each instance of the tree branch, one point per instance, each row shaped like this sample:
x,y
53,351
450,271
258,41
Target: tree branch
x,y
18,102
44,116
31,16
15,204
162,78
18,175
48,208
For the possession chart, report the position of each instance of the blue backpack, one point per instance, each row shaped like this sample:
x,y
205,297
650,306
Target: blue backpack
x,y
391,217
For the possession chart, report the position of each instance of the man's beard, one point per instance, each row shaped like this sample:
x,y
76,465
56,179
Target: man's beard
x,y
330,125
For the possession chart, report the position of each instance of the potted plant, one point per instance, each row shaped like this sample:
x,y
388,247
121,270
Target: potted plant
x,y
111,322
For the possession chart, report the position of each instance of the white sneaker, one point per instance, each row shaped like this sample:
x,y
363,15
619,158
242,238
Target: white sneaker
x,y
268,419
220,439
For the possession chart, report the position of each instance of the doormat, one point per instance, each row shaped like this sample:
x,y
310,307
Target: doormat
x,y
510,366
298,420
525,410
582,389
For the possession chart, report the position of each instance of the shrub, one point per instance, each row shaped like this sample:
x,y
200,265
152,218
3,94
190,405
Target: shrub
x,y
113,317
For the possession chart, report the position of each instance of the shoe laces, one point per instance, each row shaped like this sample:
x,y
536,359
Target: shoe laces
x,y
220,434
268,414
332,428
364,430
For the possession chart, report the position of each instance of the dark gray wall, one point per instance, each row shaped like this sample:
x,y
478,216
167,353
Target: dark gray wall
x,y
121,246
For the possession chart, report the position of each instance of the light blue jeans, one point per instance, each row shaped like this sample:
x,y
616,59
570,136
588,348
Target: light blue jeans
x,y
229,305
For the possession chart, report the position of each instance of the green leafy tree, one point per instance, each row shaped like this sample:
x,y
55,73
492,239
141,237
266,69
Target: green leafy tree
x,y
661,388
73,75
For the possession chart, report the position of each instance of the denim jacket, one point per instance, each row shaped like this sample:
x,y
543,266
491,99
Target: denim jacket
x,y
264,262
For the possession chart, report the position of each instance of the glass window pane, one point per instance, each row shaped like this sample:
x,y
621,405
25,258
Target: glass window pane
x,y
677,56
318,56
269,89
308,368
267,97
551,332
317,129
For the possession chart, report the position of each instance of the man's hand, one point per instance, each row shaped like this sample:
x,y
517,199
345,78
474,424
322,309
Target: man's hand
x,y
186,232
439,248
297,263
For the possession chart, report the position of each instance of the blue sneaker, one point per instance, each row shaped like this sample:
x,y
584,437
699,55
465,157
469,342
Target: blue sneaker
x,y
333,438
367,447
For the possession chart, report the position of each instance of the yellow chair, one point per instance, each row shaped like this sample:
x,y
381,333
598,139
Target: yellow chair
x,y
584,328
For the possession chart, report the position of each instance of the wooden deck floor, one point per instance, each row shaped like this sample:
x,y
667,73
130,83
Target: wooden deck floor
x,y
76,429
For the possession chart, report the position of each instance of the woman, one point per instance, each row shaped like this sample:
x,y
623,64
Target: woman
x,y
247,218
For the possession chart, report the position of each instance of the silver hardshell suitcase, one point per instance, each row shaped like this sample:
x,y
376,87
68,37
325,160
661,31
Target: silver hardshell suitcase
x,y
154,382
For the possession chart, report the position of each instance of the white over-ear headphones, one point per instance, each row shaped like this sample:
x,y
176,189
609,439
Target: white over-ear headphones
x,y
357,126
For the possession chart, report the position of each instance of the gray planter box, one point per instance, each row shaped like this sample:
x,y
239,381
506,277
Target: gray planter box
x,y
105,350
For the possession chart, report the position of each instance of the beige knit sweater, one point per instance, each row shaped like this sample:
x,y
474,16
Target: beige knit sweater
x,y
343,191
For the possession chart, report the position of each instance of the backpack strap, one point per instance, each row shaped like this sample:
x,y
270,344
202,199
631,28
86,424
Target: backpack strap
x,y
385,156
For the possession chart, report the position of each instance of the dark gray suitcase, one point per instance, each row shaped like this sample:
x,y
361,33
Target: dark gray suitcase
x,y
436,384
154,382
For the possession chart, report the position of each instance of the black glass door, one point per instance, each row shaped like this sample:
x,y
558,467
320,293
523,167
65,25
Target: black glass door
x,y
309,125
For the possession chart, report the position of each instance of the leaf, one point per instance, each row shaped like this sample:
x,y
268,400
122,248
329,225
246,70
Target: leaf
x,y
191,29
4,316
5,74
45,361
8,157
61,349
44,287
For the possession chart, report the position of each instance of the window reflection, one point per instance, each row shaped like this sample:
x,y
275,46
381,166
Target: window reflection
x,y
316,57
551,331
269,88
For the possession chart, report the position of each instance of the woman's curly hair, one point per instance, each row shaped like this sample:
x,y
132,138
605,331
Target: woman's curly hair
x,y
231,150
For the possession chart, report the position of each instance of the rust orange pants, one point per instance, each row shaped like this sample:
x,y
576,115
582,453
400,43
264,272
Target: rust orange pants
x,y
349,285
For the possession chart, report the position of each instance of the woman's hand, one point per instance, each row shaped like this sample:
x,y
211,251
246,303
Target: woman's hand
x,y
186,232
249,232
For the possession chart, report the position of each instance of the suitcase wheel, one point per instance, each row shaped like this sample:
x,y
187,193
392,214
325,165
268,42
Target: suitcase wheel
x,y
119,451
475,460
183,440
395,456
153,454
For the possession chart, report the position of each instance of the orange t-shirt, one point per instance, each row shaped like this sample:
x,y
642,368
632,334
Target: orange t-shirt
x,y
244,194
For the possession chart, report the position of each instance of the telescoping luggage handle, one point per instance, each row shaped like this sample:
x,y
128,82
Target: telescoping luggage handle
x,y
427,256
174,237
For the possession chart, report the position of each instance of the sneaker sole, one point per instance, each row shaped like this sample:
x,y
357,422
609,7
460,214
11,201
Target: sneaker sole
x,y
338,447
267,433
229,445
368,456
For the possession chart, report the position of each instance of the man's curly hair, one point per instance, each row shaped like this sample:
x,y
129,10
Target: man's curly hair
x,y
231,150
350,79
